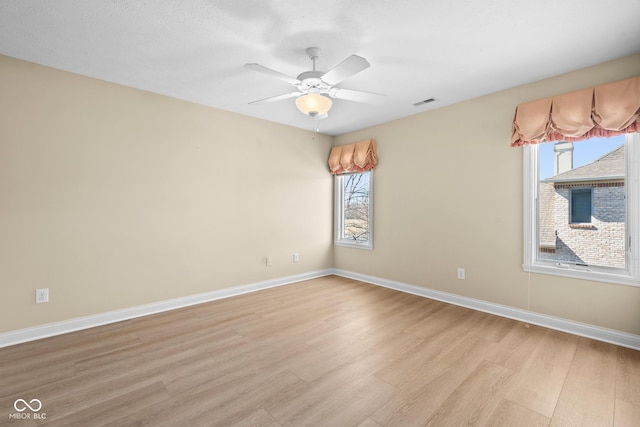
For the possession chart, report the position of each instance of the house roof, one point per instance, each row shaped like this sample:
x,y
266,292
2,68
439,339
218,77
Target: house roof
x,y
609,166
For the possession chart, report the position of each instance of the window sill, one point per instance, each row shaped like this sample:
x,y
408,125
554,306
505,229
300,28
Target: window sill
x,y
345,243
583,273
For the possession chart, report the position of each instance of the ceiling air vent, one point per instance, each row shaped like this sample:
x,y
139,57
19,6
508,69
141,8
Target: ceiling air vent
x,y
425,101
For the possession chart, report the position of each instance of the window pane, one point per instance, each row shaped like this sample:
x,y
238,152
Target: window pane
x,y
356,207
581,205
581,202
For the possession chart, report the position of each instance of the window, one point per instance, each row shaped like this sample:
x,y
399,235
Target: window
x,y
354,210
581,209
581,205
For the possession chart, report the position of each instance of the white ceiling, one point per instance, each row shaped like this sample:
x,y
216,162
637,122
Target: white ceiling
x,y
195,49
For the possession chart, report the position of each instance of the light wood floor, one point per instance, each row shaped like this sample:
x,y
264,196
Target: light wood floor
x,y
328,351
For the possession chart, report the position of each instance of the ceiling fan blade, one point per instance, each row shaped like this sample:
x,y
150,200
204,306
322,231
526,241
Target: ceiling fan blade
x,y
268,71
358,96
347,68
277,98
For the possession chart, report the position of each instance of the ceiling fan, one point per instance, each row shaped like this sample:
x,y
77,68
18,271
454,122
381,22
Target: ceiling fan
x,y
314,89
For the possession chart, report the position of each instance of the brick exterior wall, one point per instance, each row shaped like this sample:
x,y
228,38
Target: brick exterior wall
x,y
546,217
602,242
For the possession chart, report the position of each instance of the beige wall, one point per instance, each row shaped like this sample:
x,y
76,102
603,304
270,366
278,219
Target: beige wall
x,y
448,194
114,197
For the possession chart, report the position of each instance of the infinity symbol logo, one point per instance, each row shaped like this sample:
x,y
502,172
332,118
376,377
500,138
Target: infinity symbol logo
x,y
24,405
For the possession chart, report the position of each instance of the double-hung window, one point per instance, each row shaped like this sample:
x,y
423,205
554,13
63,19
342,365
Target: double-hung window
x,y
583,219
352,166
581,199
354,210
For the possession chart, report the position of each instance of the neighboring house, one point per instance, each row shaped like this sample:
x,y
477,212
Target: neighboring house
x,y
582,211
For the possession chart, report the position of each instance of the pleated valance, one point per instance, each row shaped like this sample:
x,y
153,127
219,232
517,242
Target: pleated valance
x,y
359,157
607,110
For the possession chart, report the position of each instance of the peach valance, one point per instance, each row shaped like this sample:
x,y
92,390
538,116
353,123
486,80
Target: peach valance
x,y
607,110
359,157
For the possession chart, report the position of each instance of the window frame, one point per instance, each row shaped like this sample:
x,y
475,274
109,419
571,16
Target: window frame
x,y
339,239
630,275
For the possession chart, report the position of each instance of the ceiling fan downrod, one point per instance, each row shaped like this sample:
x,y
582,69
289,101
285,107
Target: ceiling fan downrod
x,y
313,53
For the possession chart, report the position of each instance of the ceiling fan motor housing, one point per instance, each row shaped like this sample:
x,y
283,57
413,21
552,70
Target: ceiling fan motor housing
x,y
311,79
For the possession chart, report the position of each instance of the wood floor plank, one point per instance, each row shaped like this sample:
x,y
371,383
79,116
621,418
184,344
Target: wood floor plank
x,y
626,414
493,328
328,371
628,376
422,392
243,357
588,394
65,399
369,423
356,337
278,329
215,402
56,362
110,410
200,369
168,328
366,301
475,399
450,320
22,382
450,363
516,347
540,380
235,406
144,355
28,356
313,304
258,418
324,404
509,414
368,356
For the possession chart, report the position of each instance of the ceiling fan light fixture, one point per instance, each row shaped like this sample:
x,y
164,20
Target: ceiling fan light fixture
x,y
313,104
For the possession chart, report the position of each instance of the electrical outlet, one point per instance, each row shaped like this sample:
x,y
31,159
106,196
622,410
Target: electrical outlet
x,y
296,257
269,261
461,273
42,295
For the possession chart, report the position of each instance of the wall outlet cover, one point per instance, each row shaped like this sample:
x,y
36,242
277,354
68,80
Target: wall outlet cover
x,y
42,295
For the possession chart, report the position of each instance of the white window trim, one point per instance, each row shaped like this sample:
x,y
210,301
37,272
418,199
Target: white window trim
x,y
630,275
338,217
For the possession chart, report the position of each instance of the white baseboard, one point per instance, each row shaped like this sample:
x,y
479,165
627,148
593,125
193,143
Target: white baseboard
x,y
582,329
576,328
76,324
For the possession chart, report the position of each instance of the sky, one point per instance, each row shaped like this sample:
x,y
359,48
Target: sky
x,y
584,152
